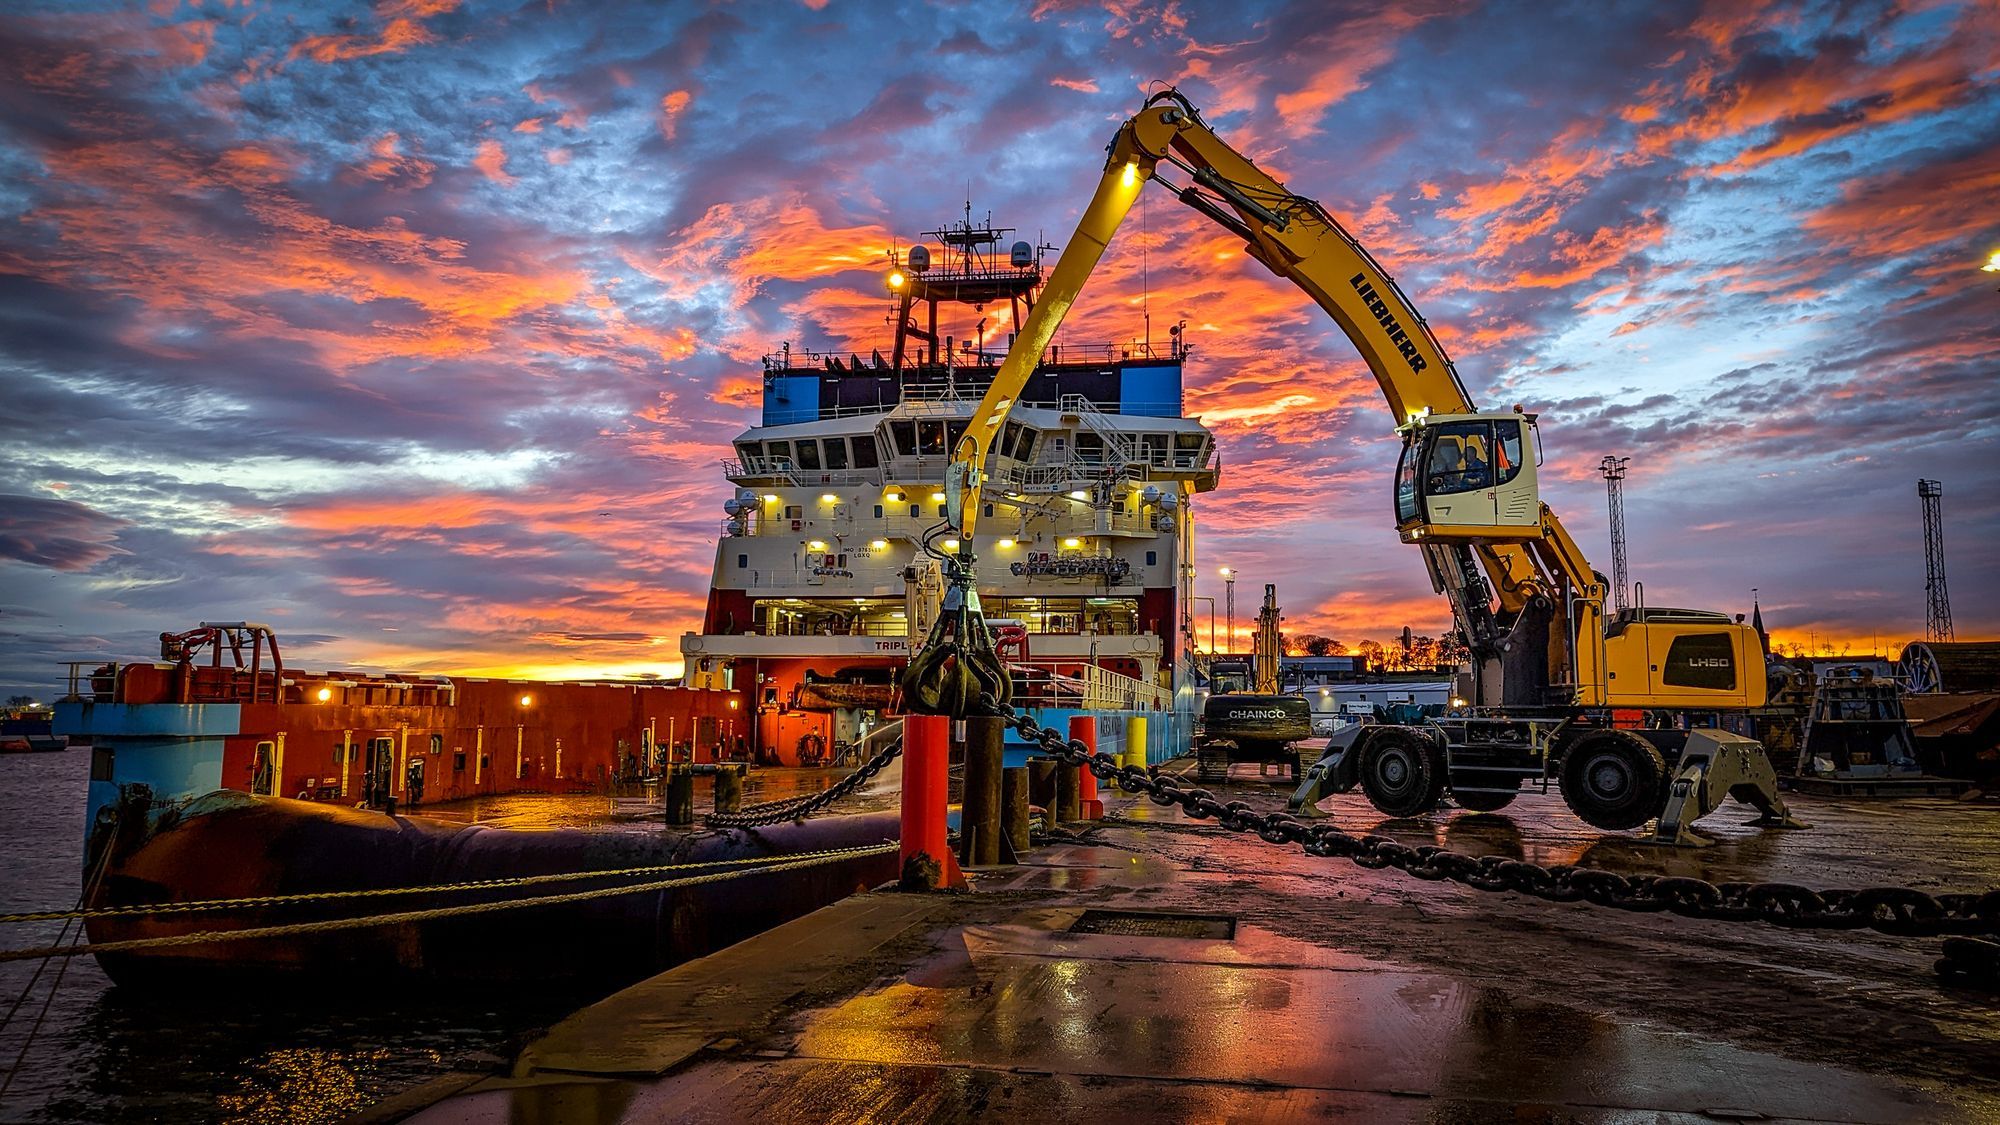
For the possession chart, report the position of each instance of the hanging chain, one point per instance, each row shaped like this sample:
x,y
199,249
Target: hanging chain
x,y
799,808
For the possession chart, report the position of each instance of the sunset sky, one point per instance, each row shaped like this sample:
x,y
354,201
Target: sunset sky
x,y
418,330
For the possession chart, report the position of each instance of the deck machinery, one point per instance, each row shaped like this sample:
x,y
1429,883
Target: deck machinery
x,y
1553,676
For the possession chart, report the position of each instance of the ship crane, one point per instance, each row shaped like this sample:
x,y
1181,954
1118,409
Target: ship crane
x,y
1562,695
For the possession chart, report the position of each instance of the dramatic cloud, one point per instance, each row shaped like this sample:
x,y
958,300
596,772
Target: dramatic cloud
x,y
420,328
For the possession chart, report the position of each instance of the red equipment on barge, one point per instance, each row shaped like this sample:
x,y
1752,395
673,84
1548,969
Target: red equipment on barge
x,y
221,710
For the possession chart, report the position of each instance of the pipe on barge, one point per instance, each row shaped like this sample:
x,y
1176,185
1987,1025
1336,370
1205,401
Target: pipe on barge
x,y
229,845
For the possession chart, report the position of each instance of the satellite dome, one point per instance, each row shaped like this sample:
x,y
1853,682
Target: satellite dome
x,y
1022,255
920,258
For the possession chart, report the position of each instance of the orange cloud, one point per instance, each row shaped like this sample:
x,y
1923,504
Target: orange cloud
x,y
1911,210
1831,94
672,106
123,226
492,160
388,163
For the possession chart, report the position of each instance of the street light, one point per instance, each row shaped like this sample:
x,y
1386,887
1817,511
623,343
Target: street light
x,y
1229,602
1211,624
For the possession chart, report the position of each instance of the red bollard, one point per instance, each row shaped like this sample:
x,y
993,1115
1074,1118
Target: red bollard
x,y
1084,728
926,791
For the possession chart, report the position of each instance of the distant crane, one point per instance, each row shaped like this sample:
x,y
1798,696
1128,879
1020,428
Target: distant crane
x,y
1613,469
1937,600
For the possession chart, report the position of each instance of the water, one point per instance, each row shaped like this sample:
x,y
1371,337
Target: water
x,y
108,1054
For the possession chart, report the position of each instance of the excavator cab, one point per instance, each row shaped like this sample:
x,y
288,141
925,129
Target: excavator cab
x,y
1468,477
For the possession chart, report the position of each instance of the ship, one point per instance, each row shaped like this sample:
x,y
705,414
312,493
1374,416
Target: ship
x,y
29,729
820,590
821,586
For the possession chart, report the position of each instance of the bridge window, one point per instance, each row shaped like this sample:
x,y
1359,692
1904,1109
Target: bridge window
x,y
1188,450
904,435
808,455
865,454
750,451
780,451
836,453
930,438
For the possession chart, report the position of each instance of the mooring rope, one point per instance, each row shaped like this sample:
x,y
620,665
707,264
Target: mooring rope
x,y
214,904
408,916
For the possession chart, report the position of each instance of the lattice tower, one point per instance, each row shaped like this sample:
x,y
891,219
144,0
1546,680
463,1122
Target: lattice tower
x,y
1937,599
1613,469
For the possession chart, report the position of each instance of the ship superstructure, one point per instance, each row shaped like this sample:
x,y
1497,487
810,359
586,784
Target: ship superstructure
x,y
821,586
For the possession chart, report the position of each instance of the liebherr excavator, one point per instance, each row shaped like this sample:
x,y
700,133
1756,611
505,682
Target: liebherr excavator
x,y
1549,670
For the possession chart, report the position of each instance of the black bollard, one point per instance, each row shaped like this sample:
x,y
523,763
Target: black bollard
x,y
1069,793
1042,783
729,789
680,795
979,817
1014,806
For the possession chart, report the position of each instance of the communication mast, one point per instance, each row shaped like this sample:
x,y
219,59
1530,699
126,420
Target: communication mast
x,y
1937,600
1613,469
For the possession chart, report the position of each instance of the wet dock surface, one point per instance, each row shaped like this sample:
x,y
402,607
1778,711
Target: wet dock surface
x,y
638,805
1342,992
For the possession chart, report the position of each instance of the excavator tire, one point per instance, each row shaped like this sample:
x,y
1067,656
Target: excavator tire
x,y
1614,780
1402,772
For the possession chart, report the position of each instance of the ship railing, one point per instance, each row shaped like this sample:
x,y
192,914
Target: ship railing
x,y
1087,687
868,629
90,681
769,471
804,362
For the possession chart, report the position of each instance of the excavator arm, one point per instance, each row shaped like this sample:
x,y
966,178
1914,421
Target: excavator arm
x,y
1297,239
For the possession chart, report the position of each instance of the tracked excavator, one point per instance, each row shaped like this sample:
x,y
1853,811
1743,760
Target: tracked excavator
x,y
1556,682
1247,716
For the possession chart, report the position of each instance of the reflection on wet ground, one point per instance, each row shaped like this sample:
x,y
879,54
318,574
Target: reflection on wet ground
x,y
1345,993
639,803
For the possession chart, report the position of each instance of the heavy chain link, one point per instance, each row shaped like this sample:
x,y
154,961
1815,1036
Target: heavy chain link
x,y
1890,910
799,808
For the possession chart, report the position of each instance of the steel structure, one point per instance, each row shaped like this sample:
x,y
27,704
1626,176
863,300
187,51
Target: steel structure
x,y
1613,469
1937,599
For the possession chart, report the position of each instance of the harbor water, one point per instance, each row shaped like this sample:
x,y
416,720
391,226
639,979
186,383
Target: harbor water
x,y
83,1050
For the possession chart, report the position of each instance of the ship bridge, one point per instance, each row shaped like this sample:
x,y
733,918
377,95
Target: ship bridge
x,y
1086,535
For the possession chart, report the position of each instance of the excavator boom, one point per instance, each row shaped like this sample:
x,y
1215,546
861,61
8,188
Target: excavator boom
x,y
1466,488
